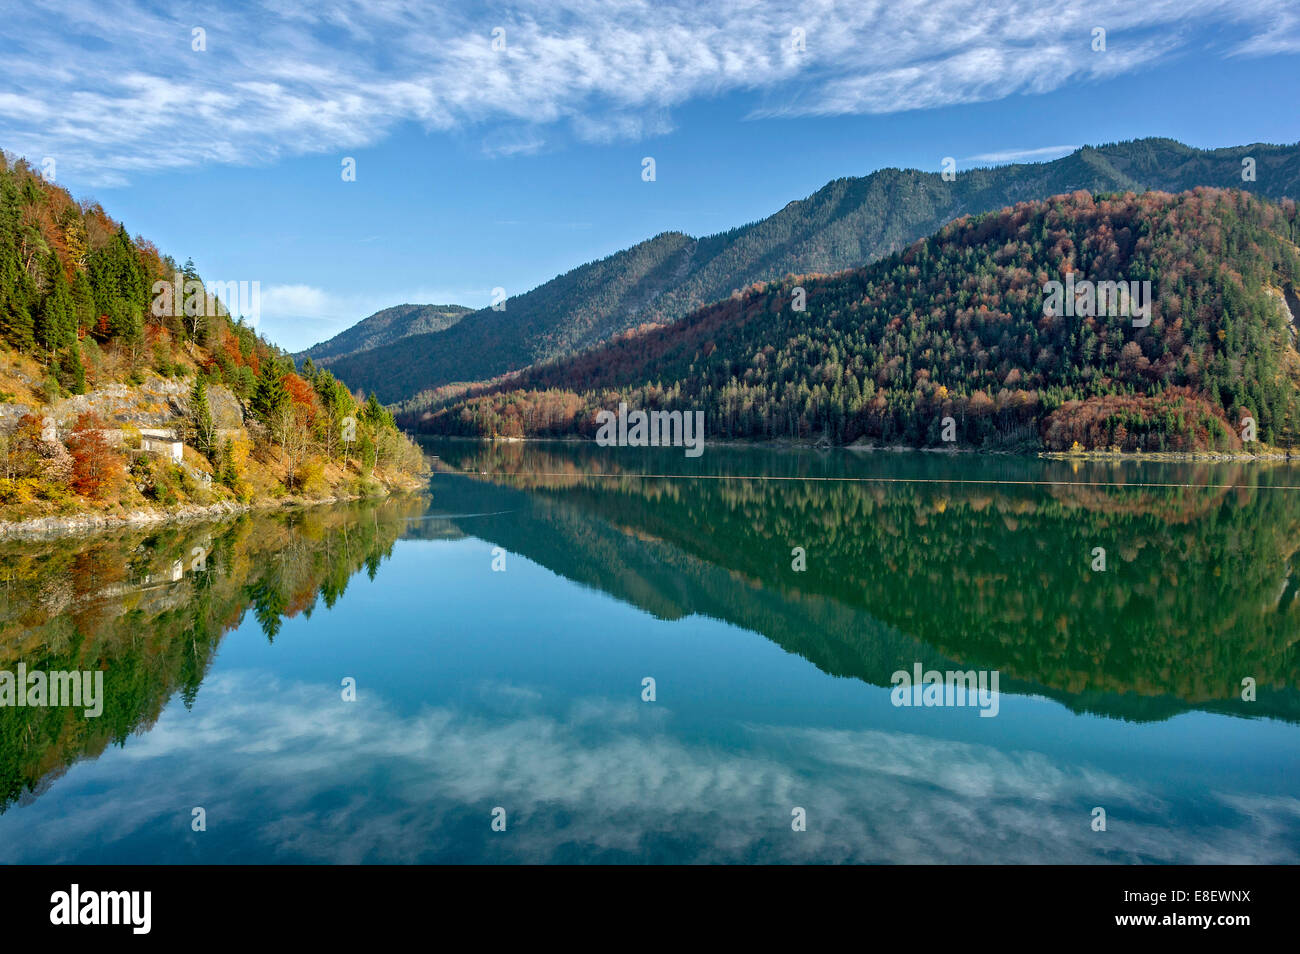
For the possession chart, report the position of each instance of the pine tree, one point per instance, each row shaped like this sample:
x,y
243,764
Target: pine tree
x,y
71,373
226,464
16,321
270,394
201,416
55,325
15,286
124,320
83,302
376,414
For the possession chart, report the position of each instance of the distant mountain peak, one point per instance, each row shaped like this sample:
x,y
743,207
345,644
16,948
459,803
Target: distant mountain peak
x,y
385,327
848,223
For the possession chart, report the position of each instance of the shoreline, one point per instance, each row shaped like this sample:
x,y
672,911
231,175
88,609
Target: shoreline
x,y
89,524
1201,456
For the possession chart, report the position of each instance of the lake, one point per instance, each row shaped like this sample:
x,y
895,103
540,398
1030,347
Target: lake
x,y
565,653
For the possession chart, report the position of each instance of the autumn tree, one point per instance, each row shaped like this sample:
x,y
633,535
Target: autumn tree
x,y
20,454
97,467
291,431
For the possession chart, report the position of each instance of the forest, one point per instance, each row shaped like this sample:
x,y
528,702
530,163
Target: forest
x,y
848,223
955,326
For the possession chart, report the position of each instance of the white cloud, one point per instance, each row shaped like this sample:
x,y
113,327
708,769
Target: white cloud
x,y
1022,155
513,142
299,301
1282,35
112,87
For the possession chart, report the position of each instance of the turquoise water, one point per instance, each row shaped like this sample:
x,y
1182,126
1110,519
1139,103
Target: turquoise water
x,y
521,688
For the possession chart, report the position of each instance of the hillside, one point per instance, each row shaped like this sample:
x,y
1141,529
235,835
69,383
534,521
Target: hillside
x,y
120,395
956,326
848,223
384,327
576,310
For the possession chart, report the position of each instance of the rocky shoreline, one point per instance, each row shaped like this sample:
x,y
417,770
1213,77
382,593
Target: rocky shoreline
x,y
1176,456
75,524
864,447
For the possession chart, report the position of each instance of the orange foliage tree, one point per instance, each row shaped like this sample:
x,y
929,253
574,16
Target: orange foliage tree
x,y
97,467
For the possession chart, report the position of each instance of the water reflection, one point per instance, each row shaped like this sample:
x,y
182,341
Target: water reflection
x,y
613,782
521,688
984,562
150,608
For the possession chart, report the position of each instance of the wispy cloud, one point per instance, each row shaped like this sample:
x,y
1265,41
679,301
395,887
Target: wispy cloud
x,y
1283,36
298,301
1022,155
114,87
508,142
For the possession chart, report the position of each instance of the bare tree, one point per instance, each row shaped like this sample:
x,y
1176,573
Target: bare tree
x,y
291,431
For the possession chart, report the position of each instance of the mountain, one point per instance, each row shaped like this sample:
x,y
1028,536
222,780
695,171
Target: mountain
x,y
964,326
384,327
568,313
848,223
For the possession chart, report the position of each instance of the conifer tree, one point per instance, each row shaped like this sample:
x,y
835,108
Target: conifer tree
x,y
83,302
270,394
201,416
55,325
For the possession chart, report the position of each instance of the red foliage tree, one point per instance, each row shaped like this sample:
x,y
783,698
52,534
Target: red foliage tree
x,y
97,467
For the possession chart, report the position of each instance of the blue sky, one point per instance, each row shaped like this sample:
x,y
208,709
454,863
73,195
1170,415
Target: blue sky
x,y
479,168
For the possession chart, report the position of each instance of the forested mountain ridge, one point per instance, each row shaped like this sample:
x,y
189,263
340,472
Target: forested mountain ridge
x,y
580,308
848,223
384,327
955,326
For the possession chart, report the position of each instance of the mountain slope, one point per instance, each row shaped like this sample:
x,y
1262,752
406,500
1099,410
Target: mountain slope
x,y
956,326
384,327
568,313
846,224
95,348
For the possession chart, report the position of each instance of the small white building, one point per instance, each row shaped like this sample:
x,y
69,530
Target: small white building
x,y
161,441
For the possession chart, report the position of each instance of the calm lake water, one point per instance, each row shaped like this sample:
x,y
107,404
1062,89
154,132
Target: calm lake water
x,y
499,630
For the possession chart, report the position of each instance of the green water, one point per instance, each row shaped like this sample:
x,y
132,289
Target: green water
x,y
501,626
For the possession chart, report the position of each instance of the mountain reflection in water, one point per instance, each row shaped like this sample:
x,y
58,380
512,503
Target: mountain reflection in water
x,y
479,688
